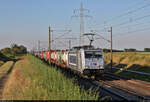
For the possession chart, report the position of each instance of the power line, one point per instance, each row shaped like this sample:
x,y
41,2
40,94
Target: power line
x,y
61,44
116,17
125,14
139,30
101,37
135,24
130,12
63,35
126,22
69,38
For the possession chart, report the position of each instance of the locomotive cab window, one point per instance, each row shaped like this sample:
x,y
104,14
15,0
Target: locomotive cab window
x,y
89,54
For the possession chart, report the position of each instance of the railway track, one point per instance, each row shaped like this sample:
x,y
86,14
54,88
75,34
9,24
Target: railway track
x,y
119,90
110,88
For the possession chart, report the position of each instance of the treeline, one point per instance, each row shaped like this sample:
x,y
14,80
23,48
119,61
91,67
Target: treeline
x,y
127,50
108,50
12,51
147,49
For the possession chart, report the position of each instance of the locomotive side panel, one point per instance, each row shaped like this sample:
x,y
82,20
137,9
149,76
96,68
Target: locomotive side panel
x,y
75,61
72,61
80,61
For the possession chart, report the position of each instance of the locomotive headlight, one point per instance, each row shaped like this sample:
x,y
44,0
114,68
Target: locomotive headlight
x,y
86,67
100,66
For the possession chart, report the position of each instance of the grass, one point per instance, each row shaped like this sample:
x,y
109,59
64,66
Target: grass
x,y
35,80
5,67
1,62
129,74
132,60
137,61
5,58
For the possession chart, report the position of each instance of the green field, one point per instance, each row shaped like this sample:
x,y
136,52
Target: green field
x,y
32,79
137,61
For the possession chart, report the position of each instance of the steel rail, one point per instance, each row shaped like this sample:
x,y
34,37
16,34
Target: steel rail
x,y
114,92
123,69
122,88
126,90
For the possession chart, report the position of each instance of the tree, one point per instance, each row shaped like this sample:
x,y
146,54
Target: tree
x,y
23,49
147,49
130,50
18,49
14,50
8,52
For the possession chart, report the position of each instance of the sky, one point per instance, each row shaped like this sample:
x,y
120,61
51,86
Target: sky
x,y
24,22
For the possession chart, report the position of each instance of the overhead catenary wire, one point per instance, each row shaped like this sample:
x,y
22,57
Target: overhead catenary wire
x,y
125,14
120,24
62,35
130,12
100,43
133,25
100,36
133,20
126,33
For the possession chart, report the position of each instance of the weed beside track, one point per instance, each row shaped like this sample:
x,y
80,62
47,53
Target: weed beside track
x,y
32,79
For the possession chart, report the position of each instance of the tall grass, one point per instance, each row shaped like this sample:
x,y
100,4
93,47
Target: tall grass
x,y
1,62
129,59
5,67
34,80
58,86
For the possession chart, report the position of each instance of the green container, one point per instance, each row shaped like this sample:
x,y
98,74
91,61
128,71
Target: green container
x,y
44,55
59,57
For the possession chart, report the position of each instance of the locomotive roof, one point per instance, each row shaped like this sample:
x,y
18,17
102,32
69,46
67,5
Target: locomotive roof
x,y
83,47
74,50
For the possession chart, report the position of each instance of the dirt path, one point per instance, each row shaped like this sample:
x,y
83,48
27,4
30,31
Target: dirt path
x,y
4,78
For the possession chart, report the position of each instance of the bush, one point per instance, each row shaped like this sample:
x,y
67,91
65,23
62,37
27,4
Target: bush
x,y
130,50
7,52
18,49
14,50
4,58
147,49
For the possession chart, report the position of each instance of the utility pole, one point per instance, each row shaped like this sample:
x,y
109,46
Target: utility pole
x,y
38,45
69,44
81,10
49,43
111,54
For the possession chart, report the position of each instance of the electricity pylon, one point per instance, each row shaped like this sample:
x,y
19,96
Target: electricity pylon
x,y
81,15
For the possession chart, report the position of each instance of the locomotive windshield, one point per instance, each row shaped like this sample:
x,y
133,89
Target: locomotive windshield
x,y
93,54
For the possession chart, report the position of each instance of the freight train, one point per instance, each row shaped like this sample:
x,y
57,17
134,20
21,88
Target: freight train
x,y
86,61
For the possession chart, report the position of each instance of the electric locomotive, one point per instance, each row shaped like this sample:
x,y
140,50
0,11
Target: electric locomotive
x,y
88,62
